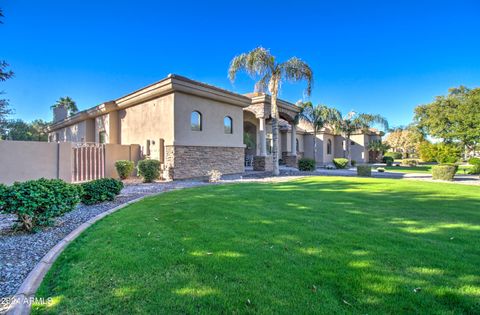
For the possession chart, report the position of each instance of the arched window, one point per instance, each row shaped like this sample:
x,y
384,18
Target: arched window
x,y
329,146
227,124
196,121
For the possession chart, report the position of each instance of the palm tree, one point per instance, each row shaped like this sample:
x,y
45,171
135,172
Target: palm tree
x,y
259,63
318,117
68,103
353,122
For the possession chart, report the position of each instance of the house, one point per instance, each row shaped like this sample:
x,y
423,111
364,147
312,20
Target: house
x,y
193,127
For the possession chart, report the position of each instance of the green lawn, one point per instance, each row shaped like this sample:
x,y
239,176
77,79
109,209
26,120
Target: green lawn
x,y
462,169
329,245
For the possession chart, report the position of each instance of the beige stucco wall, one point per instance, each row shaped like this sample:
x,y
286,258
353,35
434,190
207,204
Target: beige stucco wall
x,y
152,120
327,158
116,152
359,151
26,160
213,113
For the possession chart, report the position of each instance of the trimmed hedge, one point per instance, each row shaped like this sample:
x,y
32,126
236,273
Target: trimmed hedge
x,y
364,170
100,190
149,170
306,164
388,160
475,170
444,171
474,161
410,162
37,202
124,168
340,162
394,155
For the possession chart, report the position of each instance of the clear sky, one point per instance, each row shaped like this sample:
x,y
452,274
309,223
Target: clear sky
x,y
381,57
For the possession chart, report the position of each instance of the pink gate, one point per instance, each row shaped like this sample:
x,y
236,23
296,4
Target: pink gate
x,y
88,162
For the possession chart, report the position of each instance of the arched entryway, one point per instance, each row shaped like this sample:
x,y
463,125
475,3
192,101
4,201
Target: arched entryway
x,y
250,138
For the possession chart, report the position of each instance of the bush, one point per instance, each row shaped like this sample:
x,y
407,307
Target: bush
x,y
100,190
439,152
444,171
353,162
124,168
474,161
364,170
340,162
410,162
37,202
306,164
380,170
3,190
394,155
387,160
149,170
475,170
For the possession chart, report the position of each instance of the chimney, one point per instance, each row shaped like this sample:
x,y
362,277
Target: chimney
x,y
59,113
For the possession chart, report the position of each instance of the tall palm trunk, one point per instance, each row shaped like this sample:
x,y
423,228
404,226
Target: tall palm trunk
x,y
315,147
273,86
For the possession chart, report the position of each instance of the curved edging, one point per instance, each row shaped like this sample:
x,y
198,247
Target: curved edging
x,y
22,300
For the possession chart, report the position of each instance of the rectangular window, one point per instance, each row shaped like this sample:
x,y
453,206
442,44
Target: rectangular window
x,y
102,137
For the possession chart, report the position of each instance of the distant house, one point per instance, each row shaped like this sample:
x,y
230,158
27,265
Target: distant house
x,y
193,127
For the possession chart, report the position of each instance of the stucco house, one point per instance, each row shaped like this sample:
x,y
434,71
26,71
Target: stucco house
x,y
193,127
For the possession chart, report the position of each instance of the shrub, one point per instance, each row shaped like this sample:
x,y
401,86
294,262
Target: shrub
x,y
149,170
3,191
340,162
214,176
475,170
100,190
306,164
394,155
444,171
380,170
439,152
37,202
353,162
124,168
387,160
364,170
409,162
474,161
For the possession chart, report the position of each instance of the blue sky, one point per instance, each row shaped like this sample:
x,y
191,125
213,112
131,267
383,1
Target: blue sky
x,y
381,57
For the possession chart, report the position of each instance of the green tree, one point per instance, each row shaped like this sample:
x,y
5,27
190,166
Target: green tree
x,y
68,103
318,116
405,140
378,146
357,122
452,118
259,63
20,130
5,110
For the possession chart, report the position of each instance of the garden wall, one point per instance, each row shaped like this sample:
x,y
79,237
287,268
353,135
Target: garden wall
x,y
26,160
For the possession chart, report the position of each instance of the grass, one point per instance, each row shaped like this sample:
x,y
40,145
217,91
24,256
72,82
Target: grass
x,y
462,169
328,245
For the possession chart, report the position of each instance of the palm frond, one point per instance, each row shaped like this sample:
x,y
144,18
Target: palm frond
x,y
295,70
257,62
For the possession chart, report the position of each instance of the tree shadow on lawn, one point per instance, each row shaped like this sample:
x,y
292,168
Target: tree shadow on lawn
x,y
328,246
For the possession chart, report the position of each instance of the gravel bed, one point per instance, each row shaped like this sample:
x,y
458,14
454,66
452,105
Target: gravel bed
x,y
20,252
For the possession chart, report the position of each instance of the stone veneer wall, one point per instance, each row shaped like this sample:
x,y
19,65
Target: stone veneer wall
x,y
183,162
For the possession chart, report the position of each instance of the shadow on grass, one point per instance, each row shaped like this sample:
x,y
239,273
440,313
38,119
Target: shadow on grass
x,y
335,245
